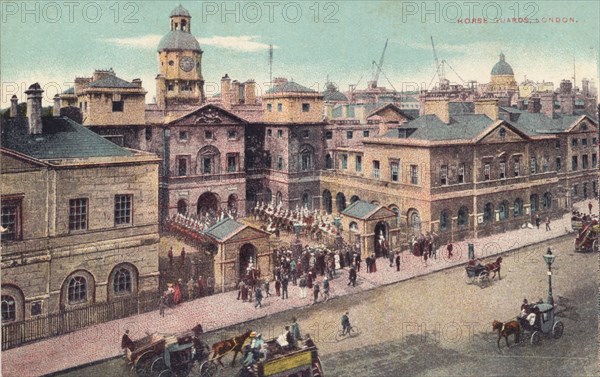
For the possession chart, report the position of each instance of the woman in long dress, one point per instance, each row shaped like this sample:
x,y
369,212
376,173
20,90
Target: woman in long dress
x,y
177,299
336,257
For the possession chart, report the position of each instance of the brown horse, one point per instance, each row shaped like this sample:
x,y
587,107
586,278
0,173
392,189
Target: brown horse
x,y
235,345
505,330
494,267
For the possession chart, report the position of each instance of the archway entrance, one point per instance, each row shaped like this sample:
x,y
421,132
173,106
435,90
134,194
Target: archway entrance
x,y
247,258
327,202
208,202
414,221
354,198
381,239
182,206
232,203
340,201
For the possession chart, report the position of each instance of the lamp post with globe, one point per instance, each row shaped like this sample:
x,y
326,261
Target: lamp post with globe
x,y
549,258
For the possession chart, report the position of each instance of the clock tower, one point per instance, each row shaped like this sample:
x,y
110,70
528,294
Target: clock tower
x,y
180,81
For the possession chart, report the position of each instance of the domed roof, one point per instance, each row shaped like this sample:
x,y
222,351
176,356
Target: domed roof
x,y
179,40
180,11
290,86
502,67
332,94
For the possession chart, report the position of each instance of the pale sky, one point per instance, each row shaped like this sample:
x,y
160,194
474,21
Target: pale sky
x,y
54,42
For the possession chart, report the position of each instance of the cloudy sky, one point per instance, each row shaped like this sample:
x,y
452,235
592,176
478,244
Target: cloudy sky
x,y
54,42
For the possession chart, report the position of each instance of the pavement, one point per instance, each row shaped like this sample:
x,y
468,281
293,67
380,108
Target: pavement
x,y
102,341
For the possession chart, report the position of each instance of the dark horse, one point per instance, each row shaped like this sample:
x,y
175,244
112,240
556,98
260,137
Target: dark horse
x,y
494,267
507,329
235,345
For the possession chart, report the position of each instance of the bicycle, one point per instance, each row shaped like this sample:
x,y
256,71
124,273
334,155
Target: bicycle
x,y
351,333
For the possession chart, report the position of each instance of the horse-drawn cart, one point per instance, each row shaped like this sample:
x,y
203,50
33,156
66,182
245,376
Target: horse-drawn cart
x,y
544,323
158,355
475,272
587,237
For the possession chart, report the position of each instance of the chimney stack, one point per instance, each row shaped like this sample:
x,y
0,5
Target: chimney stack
x,y
34,108
56,107
567,103
137,82
534,105
13,106
250,92
547,104
438,106
235,92
226,91
487,106
521,104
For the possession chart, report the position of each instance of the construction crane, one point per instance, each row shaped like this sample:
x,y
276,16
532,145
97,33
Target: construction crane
x,y
439,68
373,83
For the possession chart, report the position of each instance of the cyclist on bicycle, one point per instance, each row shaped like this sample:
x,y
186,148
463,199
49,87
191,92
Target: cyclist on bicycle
x,y
346,324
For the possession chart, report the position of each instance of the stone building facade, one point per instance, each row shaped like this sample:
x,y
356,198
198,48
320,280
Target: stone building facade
x,y
79,216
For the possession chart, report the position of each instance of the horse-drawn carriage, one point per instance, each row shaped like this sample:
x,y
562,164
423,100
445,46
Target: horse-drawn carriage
x,y
476,272
587,237
157,355
533,322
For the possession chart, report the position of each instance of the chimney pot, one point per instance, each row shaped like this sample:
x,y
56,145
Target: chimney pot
x,y
34,108
56,107
13,106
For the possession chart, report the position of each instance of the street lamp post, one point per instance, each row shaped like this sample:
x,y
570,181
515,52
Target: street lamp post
x,y
549,258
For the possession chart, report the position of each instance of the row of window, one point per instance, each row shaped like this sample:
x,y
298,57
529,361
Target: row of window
x,y
349,134
184,86
77,293
584,162
503,211
10,215
584,142
208,135
305,107
117,106
584,191
208,164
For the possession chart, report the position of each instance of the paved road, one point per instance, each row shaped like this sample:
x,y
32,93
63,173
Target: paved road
x,y
438,325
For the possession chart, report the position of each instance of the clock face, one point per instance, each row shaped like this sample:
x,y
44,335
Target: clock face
x,y
186,64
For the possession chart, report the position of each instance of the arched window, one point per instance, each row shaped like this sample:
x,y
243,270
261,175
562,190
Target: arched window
x,y
77,290
488,212
354,198
9,308
328,161
327,201
306,201
122,281
518,209
503,210
278,199
306,158
340,201
209,160
182,206
547,201
354,226
396,210
534,202
463,216
445,220
268,197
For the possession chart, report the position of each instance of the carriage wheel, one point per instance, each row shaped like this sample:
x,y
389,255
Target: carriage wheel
x,y
536,337
158,365
143,365
167,373
557,329
595,246
468,279
484,276
208,369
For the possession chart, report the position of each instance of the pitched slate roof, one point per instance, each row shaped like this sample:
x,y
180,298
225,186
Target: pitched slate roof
x,y
61,138
70,90
539,123
110,81
457,108
360,209
224,229
430,127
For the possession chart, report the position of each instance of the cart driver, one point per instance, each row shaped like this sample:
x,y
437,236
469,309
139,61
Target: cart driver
x,y
531,317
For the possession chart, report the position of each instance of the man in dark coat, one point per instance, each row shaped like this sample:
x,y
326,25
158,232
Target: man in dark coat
x,y
126,342
398,261
284,287
368,262
352,276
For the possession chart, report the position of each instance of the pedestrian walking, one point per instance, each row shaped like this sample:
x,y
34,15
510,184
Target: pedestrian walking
x,y
162,302
302,284
537,221
368,262
352,276
284,287
257,298
170,255
126,342
397,261
190,289
590,206
449,250
325,289
277,286
201,286
266,287
547,223
182,256
316,291
240,289
425,255
293,271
